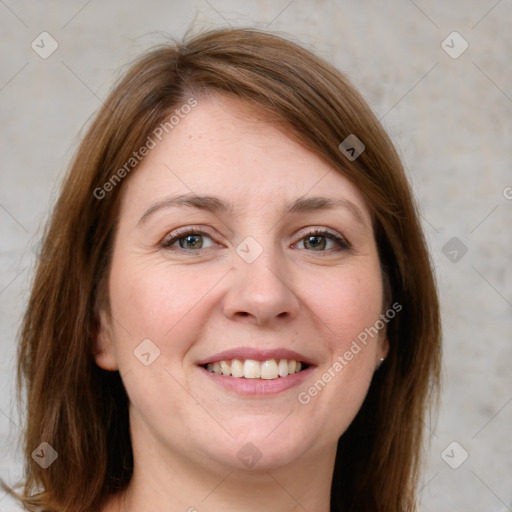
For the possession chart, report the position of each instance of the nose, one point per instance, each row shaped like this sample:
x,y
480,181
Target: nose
x,y
260,292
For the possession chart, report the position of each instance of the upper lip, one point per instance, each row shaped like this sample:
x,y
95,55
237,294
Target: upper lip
x,y
257,354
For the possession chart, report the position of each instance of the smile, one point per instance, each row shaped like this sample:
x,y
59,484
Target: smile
x,y
252,369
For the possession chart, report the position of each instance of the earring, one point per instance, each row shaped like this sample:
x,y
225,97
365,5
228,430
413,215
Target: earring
x,y
380,364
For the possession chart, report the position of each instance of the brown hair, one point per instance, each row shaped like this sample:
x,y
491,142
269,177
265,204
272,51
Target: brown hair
x,y
82,410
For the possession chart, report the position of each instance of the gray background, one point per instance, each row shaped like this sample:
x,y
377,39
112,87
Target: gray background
x,y
450,119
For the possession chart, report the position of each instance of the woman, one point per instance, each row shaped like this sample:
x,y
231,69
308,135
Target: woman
x,y
234,307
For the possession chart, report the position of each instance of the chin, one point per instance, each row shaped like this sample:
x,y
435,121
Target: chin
x,y
260,451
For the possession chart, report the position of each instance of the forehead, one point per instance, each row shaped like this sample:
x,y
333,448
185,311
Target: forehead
x,y
222,148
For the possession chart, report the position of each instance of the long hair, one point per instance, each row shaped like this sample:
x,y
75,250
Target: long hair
x,y
82,411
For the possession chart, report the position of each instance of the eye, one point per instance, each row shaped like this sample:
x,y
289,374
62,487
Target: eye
x,y
321,240
189,240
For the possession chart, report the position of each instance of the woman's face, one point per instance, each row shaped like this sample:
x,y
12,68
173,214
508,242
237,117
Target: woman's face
x,y
237,246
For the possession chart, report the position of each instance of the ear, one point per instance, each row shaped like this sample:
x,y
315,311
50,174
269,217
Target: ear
x,y
384,347
382,351
103,348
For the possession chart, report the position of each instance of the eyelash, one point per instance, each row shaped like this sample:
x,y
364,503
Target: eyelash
x,y
331,235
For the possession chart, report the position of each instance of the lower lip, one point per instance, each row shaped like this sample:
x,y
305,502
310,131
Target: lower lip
x,y
255,387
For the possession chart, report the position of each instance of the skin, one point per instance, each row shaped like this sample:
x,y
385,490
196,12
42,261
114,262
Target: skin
x,y
314,298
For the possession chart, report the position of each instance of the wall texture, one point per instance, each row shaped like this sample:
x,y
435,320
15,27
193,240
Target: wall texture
x,y
439,76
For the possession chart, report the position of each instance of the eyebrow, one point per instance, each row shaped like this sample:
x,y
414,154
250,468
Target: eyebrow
x,y
215,204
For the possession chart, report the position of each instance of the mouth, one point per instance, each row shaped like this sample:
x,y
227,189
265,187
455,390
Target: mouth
x,y
269,369
256,371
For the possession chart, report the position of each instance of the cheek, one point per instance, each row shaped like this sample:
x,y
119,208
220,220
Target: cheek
x,y
347,308
166,306
348,304
153,301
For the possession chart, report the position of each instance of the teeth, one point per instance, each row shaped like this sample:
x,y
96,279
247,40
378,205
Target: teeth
x,y
269,370
252,369
226,369
237,368
283,368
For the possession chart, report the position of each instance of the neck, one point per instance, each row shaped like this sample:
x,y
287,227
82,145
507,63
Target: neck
x,y
173,482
